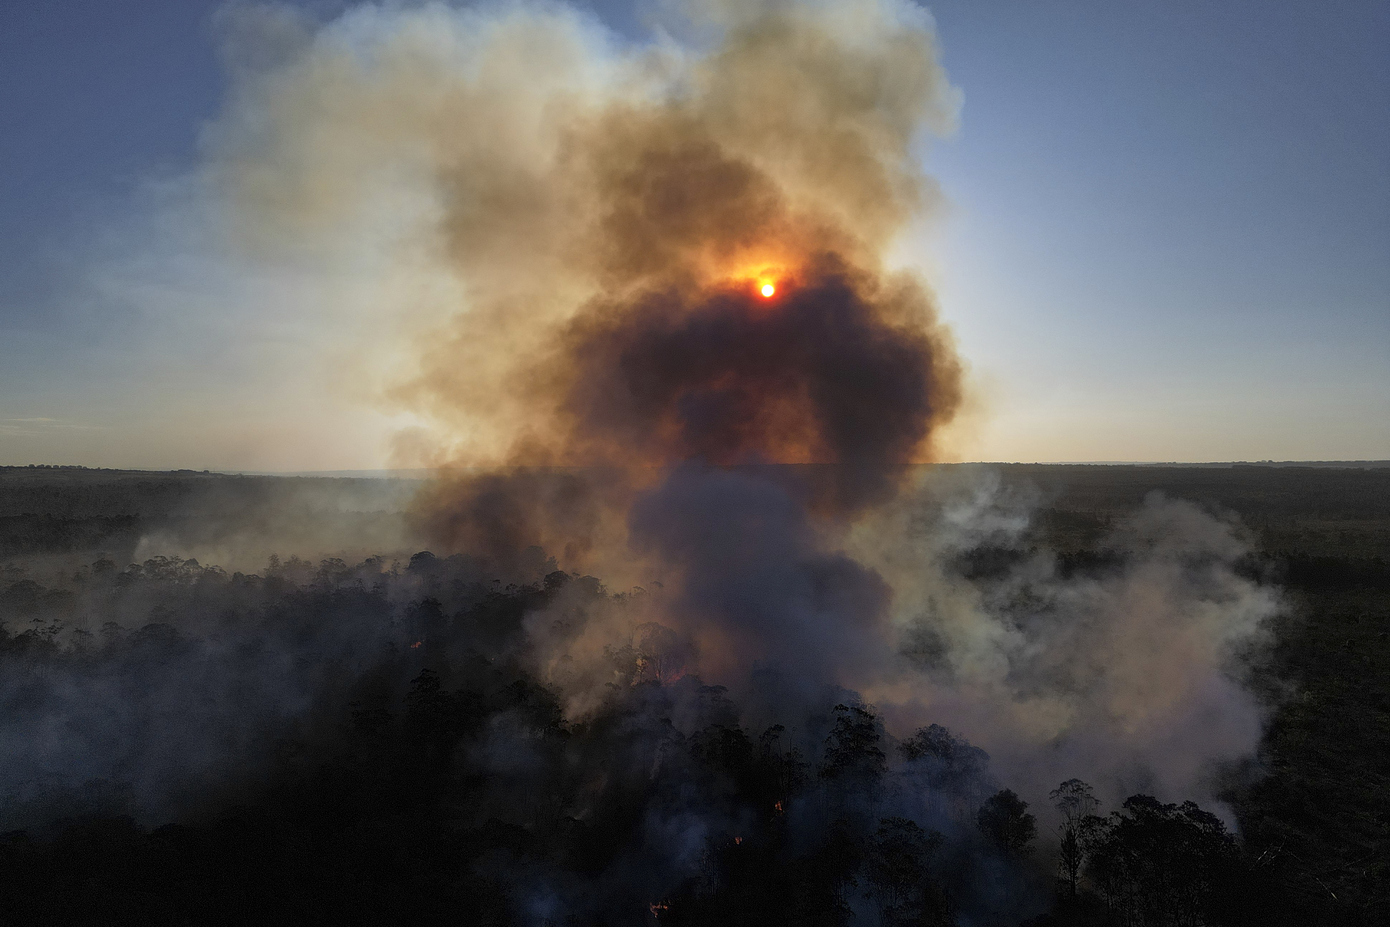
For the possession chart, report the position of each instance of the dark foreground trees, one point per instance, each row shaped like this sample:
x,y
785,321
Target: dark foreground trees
x,y
371,745
428,776
1163,864
1152,864
1006,823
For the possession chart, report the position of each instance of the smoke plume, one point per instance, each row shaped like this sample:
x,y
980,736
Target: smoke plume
x,y
641,314
676,289
600,376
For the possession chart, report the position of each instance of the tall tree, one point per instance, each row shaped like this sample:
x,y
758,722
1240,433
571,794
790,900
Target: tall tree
x,y
899,861
1006,823
1079,828
852,749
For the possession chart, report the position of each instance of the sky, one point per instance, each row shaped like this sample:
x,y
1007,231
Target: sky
x,y
1165,237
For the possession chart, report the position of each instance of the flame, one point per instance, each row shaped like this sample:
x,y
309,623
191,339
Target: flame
x,y
658,907
416,645
737,841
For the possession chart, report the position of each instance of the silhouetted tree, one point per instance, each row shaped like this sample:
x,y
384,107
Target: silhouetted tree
x,y
1080,828
819,879
786,771
952,770
662,653
1160,865
1006,823
852,748
898,866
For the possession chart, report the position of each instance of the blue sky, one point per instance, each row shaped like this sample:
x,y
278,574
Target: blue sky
x,y
1168,237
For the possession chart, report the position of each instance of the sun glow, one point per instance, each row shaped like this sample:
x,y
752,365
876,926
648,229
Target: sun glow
x,y
767,289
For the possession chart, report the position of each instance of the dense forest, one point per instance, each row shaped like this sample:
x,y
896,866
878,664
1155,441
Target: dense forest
x,y
362,741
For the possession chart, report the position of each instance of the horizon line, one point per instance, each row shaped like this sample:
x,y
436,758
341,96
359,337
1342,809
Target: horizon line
x,y
409,472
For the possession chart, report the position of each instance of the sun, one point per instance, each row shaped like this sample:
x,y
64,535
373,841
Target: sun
x,y
767,290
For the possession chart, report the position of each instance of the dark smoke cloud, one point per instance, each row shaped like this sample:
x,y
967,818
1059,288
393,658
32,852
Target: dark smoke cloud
x,y
611,264
755,583
816,374
499,515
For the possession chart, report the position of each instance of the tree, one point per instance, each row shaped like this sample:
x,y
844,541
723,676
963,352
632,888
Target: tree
x,y
785,771
817,880
852,748
899,861
953,770
1080,828
1162,864
436,718
1006,823
662,653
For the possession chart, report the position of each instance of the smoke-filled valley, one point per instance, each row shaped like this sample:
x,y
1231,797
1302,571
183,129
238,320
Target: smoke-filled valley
x,y
680,623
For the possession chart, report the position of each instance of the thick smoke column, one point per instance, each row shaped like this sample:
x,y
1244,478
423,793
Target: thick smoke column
x,y
541,191
817,373
589,225
777,150
630,333
614,314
